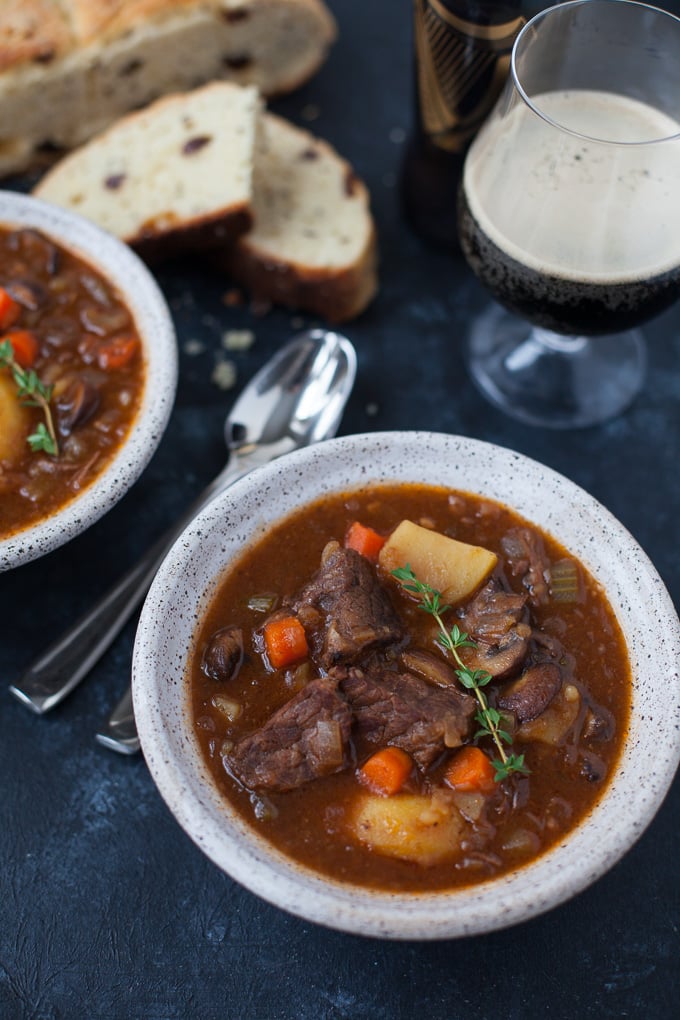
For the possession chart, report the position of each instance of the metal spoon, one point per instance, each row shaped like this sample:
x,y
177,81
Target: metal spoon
x,y
296,399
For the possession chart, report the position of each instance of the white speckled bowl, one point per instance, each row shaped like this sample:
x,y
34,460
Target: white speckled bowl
x,y
117,263
187,581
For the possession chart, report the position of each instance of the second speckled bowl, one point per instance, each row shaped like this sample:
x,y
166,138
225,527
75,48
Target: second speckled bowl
x,y
142,296
188,579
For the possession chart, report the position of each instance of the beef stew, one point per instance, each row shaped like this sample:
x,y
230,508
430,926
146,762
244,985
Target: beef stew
x,y
307,749
72,375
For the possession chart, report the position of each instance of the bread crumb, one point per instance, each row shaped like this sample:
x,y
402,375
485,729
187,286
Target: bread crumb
x,y
224,375
193,347
238,339
233,298
260,307
310,112
372,409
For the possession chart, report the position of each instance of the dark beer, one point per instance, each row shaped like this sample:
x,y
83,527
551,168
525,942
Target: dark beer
x,y
564,305
575,235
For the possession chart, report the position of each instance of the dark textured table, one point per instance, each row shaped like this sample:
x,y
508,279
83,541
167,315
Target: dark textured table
x,y
107,909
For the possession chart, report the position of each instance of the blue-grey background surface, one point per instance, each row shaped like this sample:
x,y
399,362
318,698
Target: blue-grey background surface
x,y
107,910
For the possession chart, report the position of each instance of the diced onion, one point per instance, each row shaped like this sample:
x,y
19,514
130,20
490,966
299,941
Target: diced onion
x,y
521,841
227,706
300,676
470,805
264,810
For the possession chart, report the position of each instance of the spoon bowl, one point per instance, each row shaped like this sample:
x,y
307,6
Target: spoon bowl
x,y
300,393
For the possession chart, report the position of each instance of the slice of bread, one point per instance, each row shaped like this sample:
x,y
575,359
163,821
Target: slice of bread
x,y
313,243
174,176
70,68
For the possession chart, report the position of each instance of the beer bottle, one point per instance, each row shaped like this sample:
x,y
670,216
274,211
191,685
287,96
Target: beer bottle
x,y
462,57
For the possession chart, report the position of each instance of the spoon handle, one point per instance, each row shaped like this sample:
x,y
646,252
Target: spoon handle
x,y
62,666
121,732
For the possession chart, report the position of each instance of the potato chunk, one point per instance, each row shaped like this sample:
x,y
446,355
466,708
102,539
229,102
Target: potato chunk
x,y
453,568
409,826
14,421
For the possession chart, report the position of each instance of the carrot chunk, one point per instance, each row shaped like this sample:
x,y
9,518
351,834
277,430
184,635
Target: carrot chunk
x,y
25,346
117,352
470,770
285,642
364,540
10,310
386,771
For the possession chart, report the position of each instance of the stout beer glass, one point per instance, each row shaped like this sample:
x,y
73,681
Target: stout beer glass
x,y
569,211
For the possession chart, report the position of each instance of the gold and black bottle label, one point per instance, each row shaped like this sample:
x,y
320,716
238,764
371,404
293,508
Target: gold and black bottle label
x,y
461,68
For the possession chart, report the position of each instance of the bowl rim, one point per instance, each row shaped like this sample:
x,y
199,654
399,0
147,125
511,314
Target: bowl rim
x,y
117,263
615,823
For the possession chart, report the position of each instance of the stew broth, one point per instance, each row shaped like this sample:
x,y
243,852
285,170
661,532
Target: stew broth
x,y
506,827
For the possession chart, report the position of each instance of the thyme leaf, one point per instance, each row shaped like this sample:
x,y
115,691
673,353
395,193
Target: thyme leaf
x,y
489,719
32,392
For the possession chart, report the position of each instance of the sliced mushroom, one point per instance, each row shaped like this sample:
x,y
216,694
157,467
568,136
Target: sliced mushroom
x,y
60,331
528,559
502,660
75,404
531,694
593,768
96,288
328,550
28,293
37,249
223,655
103,319
599,723
494,612
429,667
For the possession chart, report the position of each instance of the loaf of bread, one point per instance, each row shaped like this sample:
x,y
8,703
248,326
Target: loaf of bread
x,y
68,68
313,242
174,176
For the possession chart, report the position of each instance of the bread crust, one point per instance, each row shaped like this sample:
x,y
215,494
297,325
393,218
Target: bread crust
x,y
33,32
335,295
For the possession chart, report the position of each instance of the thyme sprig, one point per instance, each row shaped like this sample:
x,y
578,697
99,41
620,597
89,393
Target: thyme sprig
x,y
451,640
32,392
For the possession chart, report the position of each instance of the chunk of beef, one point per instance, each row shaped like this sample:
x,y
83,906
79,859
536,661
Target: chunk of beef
x,y
305,739
495,620
358,616
397,708
528,559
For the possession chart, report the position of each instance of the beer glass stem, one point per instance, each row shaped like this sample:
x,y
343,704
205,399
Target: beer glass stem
x,y
547,379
